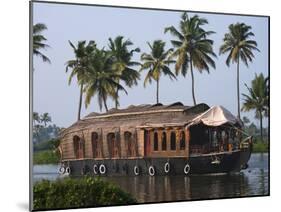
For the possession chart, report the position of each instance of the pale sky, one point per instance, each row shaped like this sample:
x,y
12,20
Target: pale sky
x,y
52,93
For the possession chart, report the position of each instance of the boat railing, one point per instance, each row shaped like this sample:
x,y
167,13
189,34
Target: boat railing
x,y
246,142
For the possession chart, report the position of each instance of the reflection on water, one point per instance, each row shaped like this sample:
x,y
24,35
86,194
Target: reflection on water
x,y
49,172
253,181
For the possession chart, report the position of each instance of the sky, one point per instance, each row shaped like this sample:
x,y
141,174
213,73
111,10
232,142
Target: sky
x,y
53,94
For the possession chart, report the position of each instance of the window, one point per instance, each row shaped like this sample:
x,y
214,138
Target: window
x,y
147,146
173,141
164,141
182,140
215,138
95,145
78,144
155,140
113,145
129,144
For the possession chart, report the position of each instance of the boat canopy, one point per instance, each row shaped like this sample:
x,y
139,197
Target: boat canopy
x,y
215,116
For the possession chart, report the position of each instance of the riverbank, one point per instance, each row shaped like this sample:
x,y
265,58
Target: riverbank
x,y
75,193
46,157
260,147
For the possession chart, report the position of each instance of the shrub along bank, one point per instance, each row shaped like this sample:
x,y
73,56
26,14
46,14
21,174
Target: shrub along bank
x,y
46,157
260,146
74,193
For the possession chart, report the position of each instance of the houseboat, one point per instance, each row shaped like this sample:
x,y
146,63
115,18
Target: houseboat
x,y
155,140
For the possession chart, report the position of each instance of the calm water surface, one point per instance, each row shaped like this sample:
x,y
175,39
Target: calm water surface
x,y
249,182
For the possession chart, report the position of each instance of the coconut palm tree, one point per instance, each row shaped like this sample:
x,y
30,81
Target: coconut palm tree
x,y
45,118
157,63
36,125
79,65
193,49
123,63
257,99
38,41
101,78
36,118
238,45
245,120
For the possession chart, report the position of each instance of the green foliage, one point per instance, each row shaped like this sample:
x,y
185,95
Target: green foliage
x,y
45,118
238,45
253,130
157,63
79,65
46,145
46,157
44,134
122,63
260,146
192,46
257,99
38,41
101,78
245,120
74,193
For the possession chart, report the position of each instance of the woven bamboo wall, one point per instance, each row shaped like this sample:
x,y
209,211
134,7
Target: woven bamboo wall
x,y
138,134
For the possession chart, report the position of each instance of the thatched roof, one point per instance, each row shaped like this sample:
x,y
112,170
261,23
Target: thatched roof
x,y
144,115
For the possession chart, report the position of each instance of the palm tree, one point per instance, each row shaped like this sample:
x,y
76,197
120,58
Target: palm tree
x,y
157,62
101,78
45,118
123,63
245,120
38,41
36,118
79,65
237,45
257,99
192,48
36,125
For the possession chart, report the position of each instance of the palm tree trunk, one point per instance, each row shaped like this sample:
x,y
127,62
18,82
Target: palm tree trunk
x,y
192,79
116,100
261,126
157,91
104,102
80,101
238,91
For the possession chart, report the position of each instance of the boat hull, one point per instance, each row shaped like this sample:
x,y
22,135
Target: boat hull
x,y
223,162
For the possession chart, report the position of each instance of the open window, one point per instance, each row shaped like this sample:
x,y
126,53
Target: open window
x,y
113,145
155,141
164,141
199,139
173,141
182,140
79,147
147,145
130,144
95,145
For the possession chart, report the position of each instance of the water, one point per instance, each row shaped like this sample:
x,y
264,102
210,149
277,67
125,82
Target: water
x,y
250,182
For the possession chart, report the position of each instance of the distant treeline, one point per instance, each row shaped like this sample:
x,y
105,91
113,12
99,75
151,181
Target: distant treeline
x,y
43,131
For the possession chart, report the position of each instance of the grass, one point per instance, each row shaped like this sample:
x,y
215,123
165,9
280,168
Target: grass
x,y
46,157
78,192
260,146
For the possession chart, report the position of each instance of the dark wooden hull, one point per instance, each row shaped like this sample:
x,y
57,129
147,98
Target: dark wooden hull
x,y
224,162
